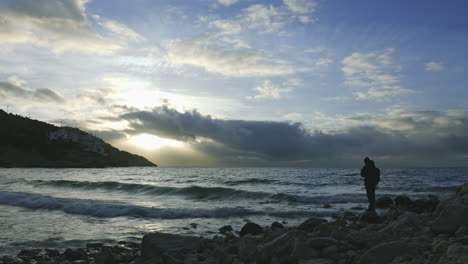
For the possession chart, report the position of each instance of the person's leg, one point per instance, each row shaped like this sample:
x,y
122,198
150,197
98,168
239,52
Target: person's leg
x,y
370,190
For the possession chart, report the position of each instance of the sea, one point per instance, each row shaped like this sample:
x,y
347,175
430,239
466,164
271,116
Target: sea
x,y
60,208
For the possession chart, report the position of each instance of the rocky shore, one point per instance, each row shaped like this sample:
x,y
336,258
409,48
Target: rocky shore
x,y
408,231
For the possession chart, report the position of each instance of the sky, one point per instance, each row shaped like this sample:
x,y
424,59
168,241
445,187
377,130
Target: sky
x,y
306,83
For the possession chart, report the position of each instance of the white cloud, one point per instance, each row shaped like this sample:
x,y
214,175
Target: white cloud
x,y
227,2
13,88
293,116
57,25
266,18
269,90
227,26
302,8
206,52
118,29
373,75
434,66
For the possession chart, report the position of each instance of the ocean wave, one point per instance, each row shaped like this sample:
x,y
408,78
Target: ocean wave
x,y
249,181
204,193
107,209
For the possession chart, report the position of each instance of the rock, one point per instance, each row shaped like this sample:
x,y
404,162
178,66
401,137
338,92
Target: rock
x,y
423,205
326,206
458,252
402,201
384,202
321,242
363,239
281,246
406,224
158,244
330,252
105,256
251,228
12,260
452,217
247,247
462,190
370,217
316,261
385,253
302,250
73,254
225,229
276,225
310,224
349,216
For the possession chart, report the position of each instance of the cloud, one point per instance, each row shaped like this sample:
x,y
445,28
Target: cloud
x,y
265,18
228,27
206,52
373,75
118,29
434,66
57,25
227,2
12,88
302,8
421,136
268,90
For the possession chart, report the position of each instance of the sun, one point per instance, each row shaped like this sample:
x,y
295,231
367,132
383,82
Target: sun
x,y
151,141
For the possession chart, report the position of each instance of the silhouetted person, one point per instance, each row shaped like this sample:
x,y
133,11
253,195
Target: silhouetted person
x,y
371,176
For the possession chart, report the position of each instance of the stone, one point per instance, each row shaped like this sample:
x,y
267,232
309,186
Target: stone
x,y
316,261
302,250
384,253
370,217
327,206
321,242
225,229
330,252
457,251
276,225
12,260
384,202
452,217
73,254
310,224
406,224
349,216
402,201
247,247
462,189
251,228
158,244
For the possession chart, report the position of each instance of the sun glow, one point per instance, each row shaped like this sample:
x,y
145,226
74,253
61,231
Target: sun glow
x,y
151,141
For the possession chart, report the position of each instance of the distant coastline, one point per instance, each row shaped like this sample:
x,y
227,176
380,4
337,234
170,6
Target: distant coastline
x,y
28,143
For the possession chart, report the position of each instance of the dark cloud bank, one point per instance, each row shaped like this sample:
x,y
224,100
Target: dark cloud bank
x,y
422,140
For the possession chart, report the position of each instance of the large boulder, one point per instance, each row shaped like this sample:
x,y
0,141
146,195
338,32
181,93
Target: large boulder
x,y
453,216
406,224
462,189
370,217
385,253
402,201
168,246
384,202
310,224
251,228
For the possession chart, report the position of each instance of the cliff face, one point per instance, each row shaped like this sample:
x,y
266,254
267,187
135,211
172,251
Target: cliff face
x,y
30,143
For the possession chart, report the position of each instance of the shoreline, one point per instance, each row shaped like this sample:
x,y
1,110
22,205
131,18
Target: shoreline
x,y
410,231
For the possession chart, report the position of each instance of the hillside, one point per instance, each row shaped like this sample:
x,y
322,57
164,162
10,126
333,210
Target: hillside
x,y
30,143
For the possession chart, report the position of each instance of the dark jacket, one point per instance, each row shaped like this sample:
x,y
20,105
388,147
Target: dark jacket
x,y
371,174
